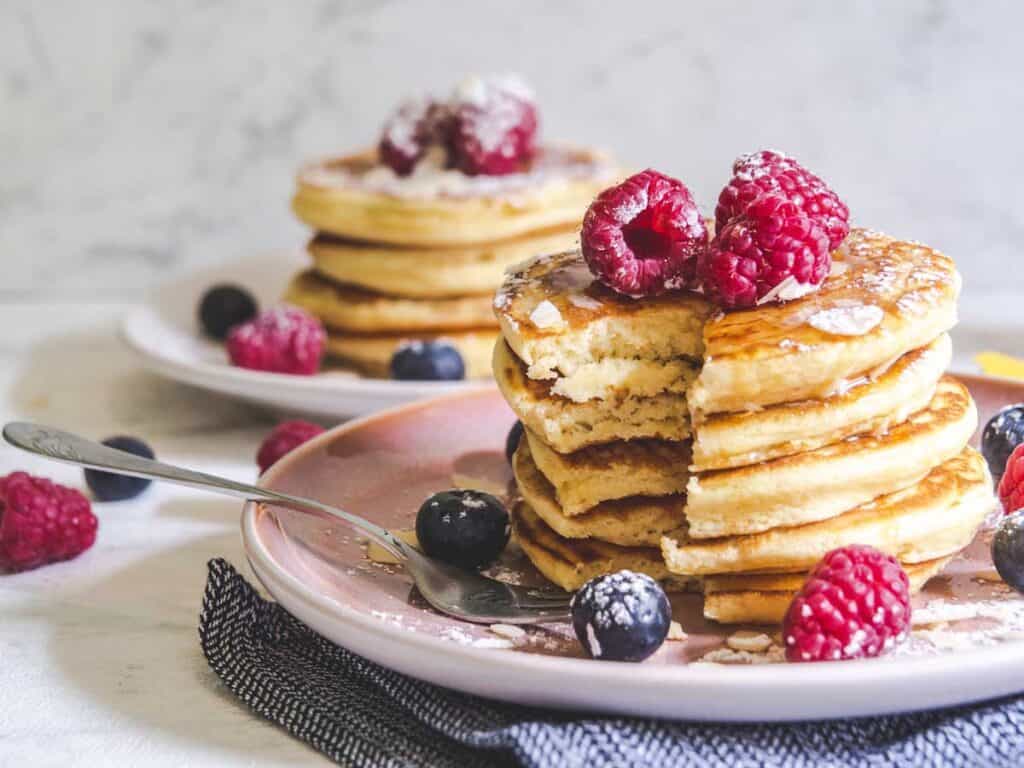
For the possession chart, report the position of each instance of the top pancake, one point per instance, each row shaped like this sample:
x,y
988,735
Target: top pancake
x,y
884,298
356,197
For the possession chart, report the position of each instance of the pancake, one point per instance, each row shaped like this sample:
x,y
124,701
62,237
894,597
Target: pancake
x,y
632,522
370,354
933,518
431,273
614,470
764,599
585,478
884,298
572,563
872,404
358,198
347,308
567,426
561,321
745,598
826,482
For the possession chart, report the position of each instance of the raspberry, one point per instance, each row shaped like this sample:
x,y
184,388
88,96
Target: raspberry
x,y
494,126
1011,485
42,522
643,237
282,340
770,253
767,171
855,604
285,437
415,127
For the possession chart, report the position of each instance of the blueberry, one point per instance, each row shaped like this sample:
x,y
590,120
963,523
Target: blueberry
x,y
107,486
1008,549
464,528
512,441
1003,433
427,361
621,616
223,307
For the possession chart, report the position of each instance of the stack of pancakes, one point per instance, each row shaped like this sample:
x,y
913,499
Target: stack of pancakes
x,y
397,260
728,452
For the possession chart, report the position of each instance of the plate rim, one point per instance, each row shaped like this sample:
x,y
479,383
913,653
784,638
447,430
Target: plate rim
x,y
200,373
362,632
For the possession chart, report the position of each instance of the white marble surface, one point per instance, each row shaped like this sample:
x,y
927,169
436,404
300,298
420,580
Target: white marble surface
x,y
139,138
101,660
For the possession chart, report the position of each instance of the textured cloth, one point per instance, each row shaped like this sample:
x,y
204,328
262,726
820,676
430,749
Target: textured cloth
x,y
361,714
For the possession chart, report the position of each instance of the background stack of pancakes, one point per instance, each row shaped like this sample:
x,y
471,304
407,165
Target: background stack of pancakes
x,y
729,452
396,260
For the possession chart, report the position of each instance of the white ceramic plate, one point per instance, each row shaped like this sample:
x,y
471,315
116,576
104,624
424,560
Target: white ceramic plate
x,y
383,466
166,335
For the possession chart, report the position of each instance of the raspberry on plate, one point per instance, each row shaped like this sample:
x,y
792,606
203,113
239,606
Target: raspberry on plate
x,y
772,252
285,438
494,126
643,237
855,604
42,522
768,171
1011,486
415,126
281,340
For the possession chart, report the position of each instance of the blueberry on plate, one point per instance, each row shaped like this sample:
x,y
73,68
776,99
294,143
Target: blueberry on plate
x,y
1003,433
108,486
1008,550
465,528
512,441
621,616
427,361
223,307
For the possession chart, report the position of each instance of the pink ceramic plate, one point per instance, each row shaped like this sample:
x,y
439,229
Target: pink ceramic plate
x,y
383,466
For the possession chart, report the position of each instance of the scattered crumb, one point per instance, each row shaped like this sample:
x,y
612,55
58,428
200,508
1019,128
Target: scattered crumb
x,y
508,631
745,640
462,637
458,635
772,655
493,642
675,631
378,554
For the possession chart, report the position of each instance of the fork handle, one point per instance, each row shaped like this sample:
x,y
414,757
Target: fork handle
x,y
72,449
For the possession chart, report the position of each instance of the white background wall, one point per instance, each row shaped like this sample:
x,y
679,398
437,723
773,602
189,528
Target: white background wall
x,y
141,138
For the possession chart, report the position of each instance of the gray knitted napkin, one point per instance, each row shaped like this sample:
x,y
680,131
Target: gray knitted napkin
x,y
361,714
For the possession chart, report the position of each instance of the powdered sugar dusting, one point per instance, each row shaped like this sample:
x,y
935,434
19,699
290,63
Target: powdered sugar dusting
x,y
847,321
546,315
582,301
788,290
431,178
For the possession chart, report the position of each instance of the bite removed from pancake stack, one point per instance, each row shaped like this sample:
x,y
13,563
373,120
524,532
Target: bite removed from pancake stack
x,y
740,446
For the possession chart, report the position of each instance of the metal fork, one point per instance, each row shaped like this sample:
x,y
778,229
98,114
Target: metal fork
x,y
466,595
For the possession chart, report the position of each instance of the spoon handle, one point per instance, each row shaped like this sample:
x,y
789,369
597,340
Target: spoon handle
x,y
72,449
